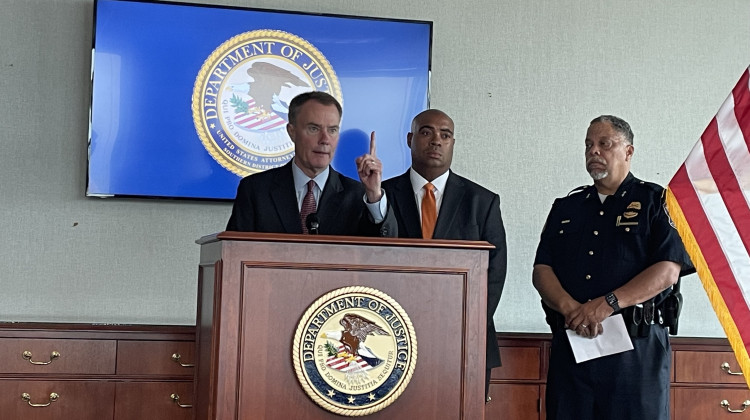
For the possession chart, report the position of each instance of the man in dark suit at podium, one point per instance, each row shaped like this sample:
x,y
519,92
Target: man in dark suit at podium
x,y
307,195
431,202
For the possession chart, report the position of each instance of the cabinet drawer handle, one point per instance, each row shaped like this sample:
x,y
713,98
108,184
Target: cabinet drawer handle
x,y
725,367
725,404
52,398
176,358
27,355
176,399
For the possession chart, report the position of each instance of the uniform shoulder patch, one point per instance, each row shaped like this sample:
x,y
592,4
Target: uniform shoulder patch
x,y
666,209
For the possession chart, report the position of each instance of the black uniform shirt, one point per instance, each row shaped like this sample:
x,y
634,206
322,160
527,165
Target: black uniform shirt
x,y
596,247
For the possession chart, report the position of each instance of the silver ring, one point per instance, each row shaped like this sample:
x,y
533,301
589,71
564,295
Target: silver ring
x,y
584,326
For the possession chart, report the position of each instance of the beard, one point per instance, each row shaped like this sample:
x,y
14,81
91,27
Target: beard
x,y
597,175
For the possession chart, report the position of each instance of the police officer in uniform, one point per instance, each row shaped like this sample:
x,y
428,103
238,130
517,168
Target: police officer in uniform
x,y
610,248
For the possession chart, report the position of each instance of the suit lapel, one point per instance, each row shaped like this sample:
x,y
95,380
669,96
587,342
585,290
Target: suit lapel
x,y
285,200
452,197
330,205
406,205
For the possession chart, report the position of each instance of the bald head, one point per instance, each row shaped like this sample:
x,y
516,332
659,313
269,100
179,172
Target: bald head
x,y
427,114
431,143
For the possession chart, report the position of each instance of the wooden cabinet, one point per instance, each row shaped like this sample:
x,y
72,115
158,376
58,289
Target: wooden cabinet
x,y
97,372
707,383
155,357
706,367
706,403
147,400
104,372
80,400
702,386
517,387
33,356
511,401
157,360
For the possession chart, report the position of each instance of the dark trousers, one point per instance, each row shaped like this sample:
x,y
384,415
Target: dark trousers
x,y
624,386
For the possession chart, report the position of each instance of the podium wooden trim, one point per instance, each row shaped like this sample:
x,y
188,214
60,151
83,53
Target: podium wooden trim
x,y
253,289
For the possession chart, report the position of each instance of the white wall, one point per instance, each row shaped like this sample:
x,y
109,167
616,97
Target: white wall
x,y
520,79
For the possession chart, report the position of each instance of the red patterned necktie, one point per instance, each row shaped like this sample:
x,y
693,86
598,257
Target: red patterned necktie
x,y
429,212
308,206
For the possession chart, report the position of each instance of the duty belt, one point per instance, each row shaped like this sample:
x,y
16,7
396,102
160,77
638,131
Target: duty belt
x,y
639,318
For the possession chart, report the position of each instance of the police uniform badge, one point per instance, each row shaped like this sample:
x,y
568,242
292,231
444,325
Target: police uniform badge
x,y
242,93
354,351
628,216
634,205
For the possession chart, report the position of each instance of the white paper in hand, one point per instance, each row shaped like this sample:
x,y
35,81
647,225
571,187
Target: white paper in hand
x,y
614,339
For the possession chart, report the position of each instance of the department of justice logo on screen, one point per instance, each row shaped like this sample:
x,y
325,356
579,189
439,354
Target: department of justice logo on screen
x,y
242,93
354,351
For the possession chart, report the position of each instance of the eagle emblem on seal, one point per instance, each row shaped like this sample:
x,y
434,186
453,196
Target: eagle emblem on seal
x,y
352,353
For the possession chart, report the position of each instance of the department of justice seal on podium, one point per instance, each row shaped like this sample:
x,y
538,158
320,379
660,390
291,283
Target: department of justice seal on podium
x,y
241,97
354,351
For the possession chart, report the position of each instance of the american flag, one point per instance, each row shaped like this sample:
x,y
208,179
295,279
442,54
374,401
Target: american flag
x,y
340,363
258,119
709,201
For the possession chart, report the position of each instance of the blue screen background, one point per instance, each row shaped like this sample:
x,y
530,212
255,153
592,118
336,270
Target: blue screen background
x,y
146,59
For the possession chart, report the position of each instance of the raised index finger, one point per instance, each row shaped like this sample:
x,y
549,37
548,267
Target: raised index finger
x,y
372,143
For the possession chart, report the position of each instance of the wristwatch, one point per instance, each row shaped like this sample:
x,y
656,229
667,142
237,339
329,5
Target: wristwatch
x,y
612,301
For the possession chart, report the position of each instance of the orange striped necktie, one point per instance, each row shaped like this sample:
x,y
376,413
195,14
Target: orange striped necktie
x,y
429,211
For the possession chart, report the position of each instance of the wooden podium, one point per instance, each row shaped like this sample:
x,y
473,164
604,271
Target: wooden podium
x,y
254,289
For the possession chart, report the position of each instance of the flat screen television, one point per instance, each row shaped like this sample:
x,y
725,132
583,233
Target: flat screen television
x,y
189,98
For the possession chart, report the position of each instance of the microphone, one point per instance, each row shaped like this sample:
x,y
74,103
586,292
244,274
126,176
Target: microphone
x,y
313,223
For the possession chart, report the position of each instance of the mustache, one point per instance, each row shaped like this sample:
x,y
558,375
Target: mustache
x,y
595,159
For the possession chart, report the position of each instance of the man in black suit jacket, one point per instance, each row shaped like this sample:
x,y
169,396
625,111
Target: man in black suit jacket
x,y
466,210
271,201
